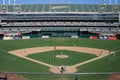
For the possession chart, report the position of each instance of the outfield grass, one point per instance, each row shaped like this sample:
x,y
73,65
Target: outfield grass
x,y
18,44
13,63
110,63
50,57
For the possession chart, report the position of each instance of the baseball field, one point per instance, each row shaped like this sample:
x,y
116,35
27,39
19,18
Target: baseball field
x,y
46,55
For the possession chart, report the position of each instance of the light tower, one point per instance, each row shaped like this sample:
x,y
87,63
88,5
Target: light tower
x,y
110,2
9,2
59,2
104,2
115,1
3,2
14,2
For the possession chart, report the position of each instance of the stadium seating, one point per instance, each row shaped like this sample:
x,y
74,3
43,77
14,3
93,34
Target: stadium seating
x,y
10,8
62,8
18,30
50,17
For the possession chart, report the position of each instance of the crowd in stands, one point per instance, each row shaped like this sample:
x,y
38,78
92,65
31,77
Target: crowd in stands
x,y
61,24
9,30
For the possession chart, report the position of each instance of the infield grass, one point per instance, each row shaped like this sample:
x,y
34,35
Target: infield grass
x,y
73,57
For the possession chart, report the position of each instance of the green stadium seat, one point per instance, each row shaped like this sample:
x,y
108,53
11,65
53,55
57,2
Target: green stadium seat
x,y
46,8
27,9
96,8
0,8
60,8
102,8
79,9
30,8
33,8
10,8
17,8
119,8
85,8
23,7
40,8
73,8
91,8
115,8
108,8
4,8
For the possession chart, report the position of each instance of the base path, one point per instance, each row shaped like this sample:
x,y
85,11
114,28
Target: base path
x,y
88,61
68,69
55,69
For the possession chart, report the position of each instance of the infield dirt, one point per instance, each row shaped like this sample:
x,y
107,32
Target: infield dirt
x,y
100,53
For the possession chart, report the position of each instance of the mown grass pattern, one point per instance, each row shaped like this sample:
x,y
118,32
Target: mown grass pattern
x,y
11,63
50,57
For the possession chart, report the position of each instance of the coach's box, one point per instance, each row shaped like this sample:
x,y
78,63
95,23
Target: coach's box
x,y
26,37
74,36
45,36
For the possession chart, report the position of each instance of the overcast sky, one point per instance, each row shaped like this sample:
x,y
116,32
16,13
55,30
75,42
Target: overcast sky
x,y
60,1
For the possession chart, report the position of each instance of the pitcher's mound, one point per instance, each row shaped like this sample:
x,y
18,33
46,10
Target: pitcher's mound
x,y
68,69
62,56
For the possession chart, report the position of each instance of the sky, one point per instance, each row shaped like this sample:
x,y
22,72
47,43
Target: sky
x,y
60,1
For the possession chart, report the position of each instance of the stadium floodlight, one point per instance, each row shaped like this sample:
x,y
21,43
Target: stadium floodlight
x,y
110,1
3,1
115,1
104,2
60,1
9,2
14,2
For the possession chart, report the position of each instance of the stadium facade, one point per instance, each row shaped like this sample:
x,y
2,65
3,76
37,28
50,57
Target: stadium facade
x,y
59,20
